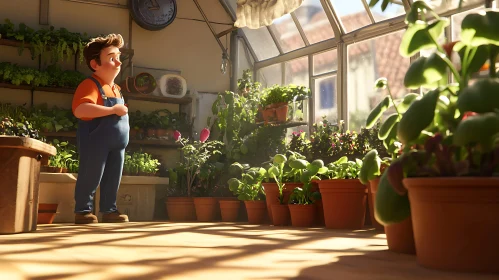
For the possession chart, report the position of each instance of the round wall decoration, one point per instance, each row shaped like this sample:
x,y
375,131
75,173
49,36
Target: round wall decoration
x,y
153,14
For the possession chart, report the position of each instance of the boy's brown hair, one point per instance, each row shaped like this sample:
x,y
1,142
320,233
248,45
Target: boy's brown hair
x,y
94,47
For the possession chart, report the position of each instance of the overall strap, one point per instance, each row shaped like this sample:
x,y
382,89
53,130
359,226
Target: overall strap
x,y
101,90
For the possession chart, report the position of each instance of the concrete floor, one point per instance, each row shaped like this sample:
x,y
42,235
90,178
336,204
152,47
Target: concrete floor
x,y
163,250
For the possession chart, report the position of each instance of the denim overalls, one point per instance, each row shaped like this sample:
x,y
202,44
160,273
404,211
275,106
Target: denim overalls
x,y
101,144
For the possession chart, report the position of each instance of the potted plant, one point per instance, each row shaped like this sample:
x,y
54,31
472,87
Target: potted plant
x,y
248,188
302,200
144,83
195,155
137,124
399,235
449,162
343,196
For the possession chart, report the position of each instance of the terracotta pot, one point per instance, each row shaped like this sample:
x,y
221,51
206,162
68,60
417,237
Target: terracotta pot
x,y
46,213
151,132
272,194
344,203
145,89
302,215
282,113
400,237
256,211
180,209
50,169
280,214
455,222
161,133
268,115
205,208
371,199
229,210
319,213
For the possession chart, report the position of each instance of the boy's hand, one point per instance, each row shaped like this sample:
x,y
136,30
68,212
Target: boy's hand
x,y
120,110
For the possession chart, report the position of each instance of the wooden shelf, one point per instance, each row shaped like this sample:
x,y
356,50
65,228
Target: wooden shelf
x,y
128,96
157,99
14,43
153,142
282,125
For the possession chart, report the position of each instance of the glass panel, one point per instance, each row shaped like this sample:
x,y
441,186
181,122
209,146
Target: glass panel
x,y
394,9
245,61
442,6
314,21
368,61
297,72
287,34
456,21
326,99
270,75
261,42
352,14
325,62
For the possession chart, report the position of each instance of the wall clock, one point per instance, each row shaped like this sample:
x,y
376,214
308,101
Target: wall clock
x,y
153,14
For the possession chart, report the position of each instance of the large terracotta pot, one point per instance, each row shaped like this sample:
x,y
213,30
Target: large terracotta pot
x,y
344,203
180,209
205,208
272,194
456,222
256,210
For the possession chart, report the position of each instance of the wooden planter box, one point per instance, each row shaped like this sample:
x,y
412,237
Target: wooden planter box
x,y
19,172
136,196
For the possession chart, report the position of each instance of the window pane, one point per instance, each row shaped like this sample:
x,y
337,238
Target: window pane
x,y
287,34
326,99
457,19
352,14
325,62
442,6
270,75
297,72
261,42
368,61
394,9
314,21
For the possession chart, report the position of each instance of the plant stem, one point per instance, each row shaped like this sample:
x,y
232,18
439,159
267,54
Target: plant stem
x,y
391,97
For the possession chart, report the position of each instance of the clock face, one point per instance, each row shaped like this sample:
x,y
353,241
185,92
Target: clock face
x,y
153,14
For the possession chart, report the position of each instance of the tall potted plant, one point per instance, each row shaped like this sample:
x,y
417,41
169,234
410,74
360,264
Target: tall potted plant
x,y
450,145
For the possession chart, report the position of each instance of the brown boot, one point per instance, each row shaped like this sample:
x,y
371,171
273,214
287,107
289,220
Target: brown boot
x,y
85,218
114,217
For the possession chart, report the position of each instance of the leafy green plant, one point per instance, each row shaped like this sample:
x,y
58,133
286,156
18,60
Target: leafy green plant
x,y
452,129
66,157
12,127
343,169
249,186
62,43
140,162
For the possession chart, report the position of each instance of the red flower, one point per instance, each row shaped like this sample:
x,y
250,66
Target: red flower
x,y
469,114
205,133
177,135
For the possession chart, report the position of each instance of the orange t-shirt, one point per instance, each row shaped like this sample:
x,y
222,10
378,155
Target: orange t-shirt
x,y
88,92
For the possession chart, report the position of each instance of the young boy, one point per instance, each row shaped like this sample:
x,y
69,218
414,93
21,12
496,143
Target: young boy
x,y
102,132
